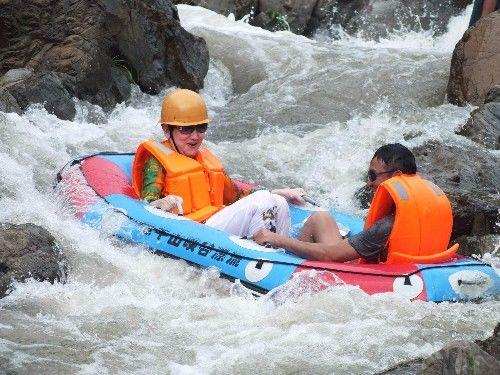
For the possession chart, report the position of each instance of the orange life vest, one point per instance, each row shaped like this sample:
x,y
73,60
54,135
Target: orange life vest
x,y
199,181
423,220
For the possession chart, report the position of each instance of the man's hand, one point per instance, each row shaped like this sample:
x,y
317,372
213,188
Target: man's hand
x,y
168,203
264,237
292,195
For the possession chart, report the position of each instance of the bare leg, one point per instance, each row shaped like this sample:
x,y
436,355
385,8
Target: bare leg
x,y
320,228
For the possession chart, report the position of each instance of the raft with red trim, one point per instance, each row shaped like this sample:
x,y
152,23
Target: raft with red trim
x,y
99,189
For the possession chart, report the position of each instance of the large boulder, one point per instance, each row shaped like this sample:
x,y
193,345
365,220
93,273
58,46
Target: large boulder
x,y
479,245
470,177
475,66
29,251
93,50
460,358
483,126
26,87
492,344
457,358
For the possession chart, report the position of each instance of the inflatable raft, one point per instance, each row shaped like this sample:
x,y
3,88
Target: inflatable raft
x,y
98,187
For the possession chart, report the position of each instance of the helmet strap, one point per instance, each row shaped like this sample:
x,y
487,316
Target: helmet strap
x,y
172,138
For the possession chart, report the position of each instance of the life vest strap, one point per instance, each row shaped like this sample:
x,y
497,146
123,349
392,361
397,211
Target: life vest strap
x,y
204,213
399,258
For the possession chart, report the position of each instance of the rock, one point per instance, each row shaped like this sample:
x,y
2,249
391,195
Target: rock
x,y
471,187
93,50
284,14
15,75
475,66
493,95
492,344
27,251
8,103
483,126
460,357
450,360
478,245
45,88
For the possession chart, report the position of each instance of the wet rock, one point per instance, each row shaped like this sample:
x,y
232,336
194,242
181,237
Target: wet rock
x,y
475,66
240,8
470,177
483,126
8,103
479,245
93,50
27,251
460,357
377,18
285,14
492,344
45,88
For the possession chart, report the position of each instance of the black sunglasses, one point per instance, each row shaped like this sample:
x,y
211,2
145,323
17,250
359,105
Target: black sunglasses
x,y
185,130
372,175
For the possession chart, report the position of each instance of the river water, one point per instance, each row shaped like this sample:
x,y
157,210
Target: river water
x,y
286,111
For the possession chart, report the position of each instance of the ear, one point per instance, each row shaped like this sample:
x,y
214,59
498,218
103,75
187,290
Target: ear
x,y
397,173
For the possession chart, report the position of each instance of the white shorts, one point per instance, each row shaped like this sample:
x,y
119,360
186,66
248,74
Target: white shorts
x,y
258,210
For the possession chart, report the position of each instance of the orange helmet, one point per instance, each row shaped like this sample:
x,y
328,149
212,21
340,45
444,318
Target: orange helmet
x,y
183,108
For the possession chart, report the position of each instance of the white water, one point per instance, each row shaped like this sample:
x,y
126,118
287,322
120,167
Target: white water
x,y
309,113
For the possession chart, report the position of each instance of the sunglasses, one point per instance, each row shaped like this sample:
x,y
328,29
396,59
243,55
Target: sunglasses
x,y
372,175
185,130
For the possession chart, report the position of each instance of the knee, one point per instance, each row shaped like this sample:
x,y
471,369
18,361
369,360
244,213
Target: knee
x,y
280,201
319,216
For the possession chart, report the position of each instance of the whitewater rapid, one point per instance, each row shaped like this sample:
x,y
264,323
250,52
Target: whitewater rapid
x,y
286,111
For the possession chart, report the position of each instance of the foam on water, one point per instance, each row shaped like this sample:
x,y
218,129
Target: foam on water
x,y
286,111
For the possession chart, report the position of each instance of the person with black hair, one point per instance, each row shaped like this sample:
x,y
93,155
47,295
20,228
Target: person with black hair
x,y
409,218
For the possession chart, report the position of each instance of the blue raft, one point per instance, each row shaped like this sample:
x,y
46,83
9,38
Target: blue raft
x,y
99,188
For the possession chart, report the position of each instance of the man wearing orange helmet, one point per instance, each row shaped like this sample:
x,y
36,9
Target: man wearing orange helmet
x,y
181,175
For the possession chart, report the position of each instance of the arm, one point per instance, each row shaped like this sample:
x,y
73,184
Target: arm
x,y
338,251
488,7
367,244
153,185
153,180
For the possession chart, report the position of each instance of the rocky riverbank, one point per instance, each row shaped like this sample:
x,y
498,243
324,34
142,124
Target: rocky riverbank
x,y
53,50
